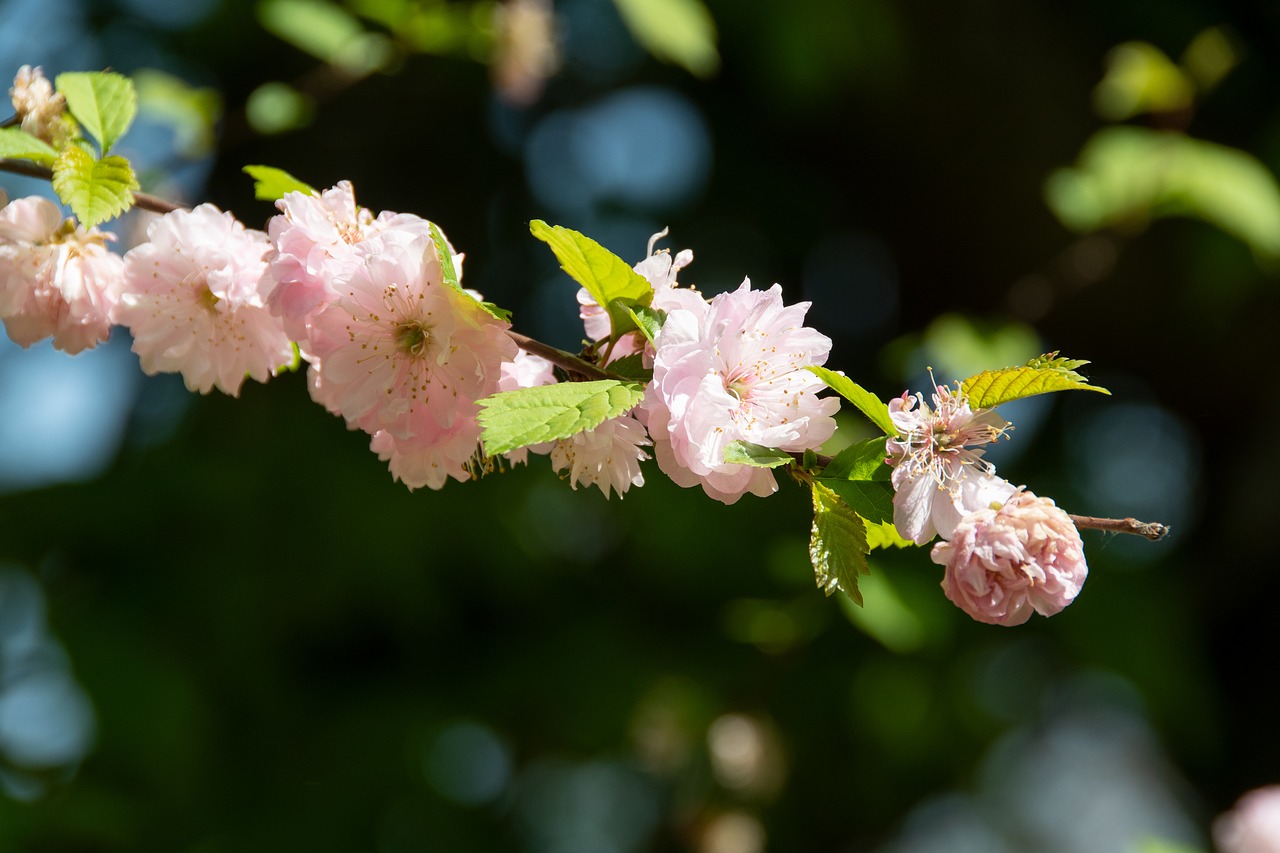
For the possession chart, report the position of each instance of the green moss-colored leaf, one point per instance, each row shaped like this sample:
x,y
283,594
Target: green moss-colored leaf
x,y
15,142
271,184
871,499
95,190
863,460
648,320
605,275
677,31
1041,375
837,544
882,534
103,102
866,402
515,419
746,453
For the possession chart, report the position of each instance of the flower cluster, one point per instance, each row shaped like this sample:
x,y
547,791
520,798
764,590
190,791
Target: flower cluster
x,y
1006,551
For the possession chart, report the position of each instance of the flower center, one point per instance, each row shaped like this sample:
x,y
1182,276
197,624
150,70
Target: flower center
x,y
412,338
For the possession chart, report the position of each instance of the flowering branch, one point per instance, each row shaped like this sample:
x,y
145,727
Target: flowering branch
x,y
146,201
569,362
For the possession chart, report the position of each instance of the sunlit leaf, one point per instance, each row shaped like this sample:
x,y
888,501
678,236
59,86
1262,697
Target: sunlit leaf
x,y
445,253
271,184
677,31
1140,78
328,32
837,544
1041,375
648,320
610,280
103,102
15,142
1128,175
514,419
866,402
863,460
746,453
95,190
883,534
278,107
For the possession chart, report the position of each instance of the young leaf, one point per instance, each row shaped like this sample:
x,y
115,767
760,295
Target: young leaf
x,y
882,534
102,101
514,419
837,544
96,190
648,320
866,402
605,275
746,453
678,31
270,183
15,142
445,253
630,367
1040,375
861,461
871,499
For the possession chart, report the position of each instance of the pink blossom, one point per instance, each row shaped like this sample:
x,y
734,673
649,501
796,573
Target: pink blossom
x,y
939,474
316,239
432,454
1003,563
191,302
733,369
660,270
607,456
1253,825
56,278
399,350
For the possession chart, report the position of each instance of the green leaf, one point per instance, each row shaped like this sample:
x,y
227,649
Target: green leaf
x,y
95,190
871,499
103,102
1140,78
746,453
606,276
882,534
648,320
863,460
866,402
630,367
678,31
1128,175
16,142
1040,375
276,107
445,253
271,184
837,544
514,419
328,32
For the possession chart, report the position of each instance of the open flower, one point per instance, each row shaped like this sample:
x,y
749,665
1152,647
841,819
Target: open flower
x,y
1001,564
607,456
939,474
39,108
733,369
1253,825
56,278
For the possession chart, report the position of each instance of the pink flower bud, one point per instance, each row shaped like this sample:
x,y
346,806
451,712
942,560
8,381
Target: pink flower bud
x,y
1003,563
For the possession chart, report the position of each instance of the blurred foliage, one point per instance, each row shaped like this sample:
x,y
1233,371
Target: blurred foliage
x,y
283,649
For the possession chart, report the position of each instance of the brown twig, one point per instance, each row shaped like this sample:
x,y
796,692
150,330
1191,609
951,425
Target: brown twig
x,y
155,204
1150,530
560,358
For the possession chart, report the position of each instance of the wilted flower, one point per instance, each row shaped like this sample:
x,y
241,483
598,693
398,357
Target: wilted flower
x,y
1003,563
56,278
939,474
733,369
191,301
39,108
1253,825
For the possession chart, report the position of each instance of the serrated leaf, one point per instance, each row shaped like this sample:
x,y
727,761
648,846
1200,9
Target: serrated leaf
x,y
863,460
755,455
271,184
95,190
837,544
678,31
445,253
16,142
866,402
515,419
630,367
883,534
871,499
606,276
103,102
1041,375
648,320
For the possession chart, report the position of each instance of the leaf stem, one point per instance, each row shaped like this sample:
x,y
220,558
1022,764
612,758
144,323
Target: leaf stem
x,y
155,204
